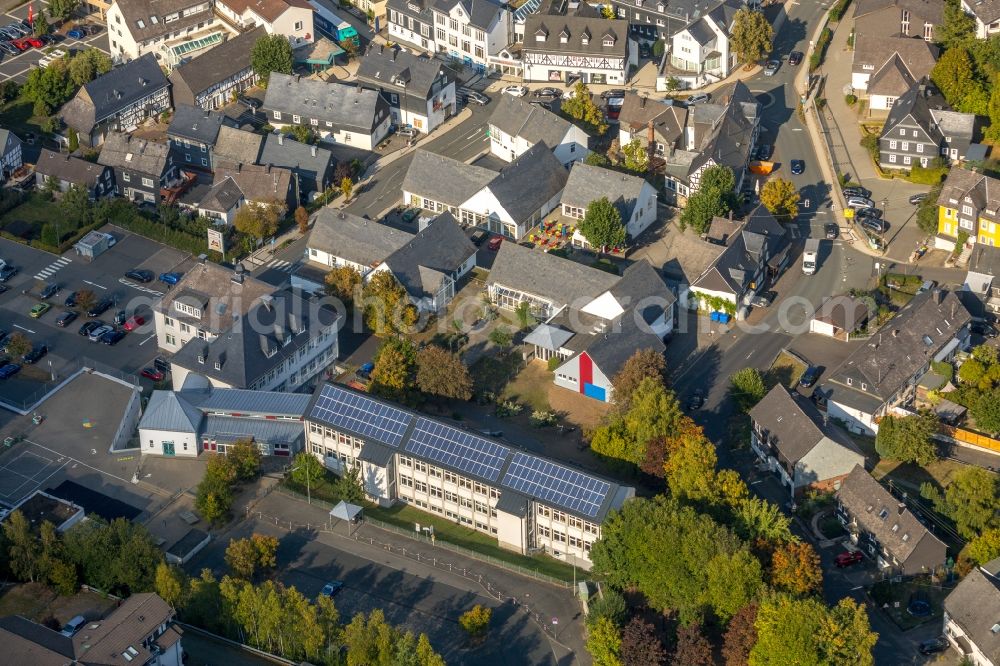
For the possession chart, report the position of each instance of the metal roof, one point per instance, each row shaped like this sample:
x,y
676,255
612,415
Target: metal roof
x,y
244,401
230,429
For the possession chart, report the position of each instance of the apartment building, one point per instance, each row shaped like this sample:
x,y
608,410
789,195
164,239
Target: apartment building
x,y
173,30
471,30
921,127
142,168
969,204
700,53
411,21
592,48
290,18
898,18
527,502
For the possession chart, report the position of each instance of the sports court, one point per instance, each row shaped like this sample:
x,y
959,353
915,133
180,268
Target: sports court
x,y
24,469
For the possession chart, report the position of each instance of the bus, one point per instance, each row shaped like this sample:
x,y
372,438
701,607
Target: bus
x,y
334,26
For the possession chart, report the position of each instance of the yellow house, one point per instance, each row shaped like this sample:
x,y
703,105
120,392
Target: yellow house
x,y
970,203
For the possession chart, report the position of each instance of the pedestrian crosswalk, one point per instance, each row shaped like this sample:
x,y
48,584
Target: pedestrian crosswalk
x,y
52,268
280,265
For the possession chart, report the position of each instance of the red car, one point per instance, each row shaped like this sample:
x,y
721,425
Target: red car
x,y
35,42
495,242
134,322
848,559
21,44
152,373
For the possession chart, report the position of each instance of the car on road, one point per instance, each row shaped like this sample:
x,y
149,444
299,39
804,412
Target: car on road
x,y
771,66
38,309
98,332
141,275
111,338
36,354
831,230
66,318
616,93
9,370
515,91
331,588
134,322
848,559
100,307
152,373
547,92
477,98
170,278
494,243
763,299
798,167
698,98
795,58
90,326
764,151
857,191
49,291
917,198
809,377
934,645
7,272
696,400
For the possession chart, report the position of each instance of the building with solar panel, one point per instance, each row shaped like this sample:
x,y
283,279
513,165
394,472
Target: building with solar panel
x,y
529,503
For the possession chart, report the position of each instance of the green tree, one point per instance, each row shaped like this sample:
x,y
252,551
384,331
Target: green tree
x,y
658,48
74,140
780,198
395,364
957,29
985,547
733,580
756,518
653,413
346,187
596,159
171,584
846,636
476,621
721,179
604,643
795,569
49,235
636,156
342,283
640,365
17,345
747,388
271,53
23,549
214,495
303,134
953,75
985,409
502,337
971,499
442,373
387,307
803,631
581,107
908,438
307,469
602,225
241,558
348,486
245,457
524,317
60,9
259,220
752,36
709,201
41,25
119,557
75,207
610,605
927,212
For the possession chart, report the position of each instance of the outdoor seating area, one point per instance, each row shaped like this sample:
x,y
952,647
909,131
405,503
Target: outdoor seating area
x,y
552,234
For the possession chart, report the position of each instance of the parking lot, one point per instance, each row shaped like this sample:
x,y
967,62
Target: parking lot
x,y
17,67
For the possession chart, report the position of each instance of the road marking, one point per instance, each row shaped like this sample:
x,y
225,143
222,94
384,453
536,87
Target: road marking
x,y
750,354
797,129
129,283
24,329
51,269
147,339
94,284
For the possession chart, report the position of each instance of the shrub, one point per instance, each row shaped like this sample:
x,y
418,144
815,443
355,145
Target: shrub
x,y
851,99
819,53
838,10
542,419
554,363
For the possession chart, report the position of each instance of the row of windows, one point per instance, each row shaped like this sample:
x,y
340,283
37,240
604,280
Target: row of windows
x,y
561,537
436,472
558,516
479,525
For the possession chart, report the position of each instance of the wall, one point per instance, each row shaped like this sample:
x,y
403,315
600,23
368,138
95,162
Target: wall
x,y
856,420
285,25
511,532
129,422
180,440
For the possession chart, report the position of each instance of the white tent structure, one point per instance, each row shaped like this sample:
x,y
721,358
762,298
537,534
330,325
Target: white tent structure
x,y
347,512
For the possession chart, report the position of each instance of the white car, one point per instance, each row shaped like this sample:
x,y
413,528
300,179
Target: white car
x,y
515,91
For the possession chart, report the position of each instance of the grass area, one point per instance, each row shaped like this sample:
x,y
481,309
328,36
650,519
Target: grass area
x,y
894,598
910,475
17,117
492,374
785,370
406,517
27,219
831,527
530,387
324,489
899,289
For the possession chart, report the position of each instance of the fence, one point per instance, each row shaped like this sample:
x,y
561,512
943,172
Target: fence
x,y
971,438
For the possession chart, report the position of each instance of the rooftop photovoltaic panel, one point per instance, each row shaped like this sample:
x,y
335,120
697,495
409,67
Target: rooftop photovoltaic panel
x,y
555,484
361,415
457,449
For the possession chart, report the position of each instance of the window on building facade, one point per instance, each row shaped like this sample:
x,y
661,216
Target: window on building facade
x,y
453,24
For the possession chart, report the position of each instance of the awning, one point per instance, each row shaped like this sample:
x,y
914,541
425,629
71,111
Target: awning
x,y
345,511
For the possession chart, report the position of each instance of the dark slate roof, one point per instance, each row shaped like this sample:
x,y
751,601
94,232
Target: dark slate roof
x,y
122,151
878,512
732,270
142,10
525,184
624,338
588,183
444,179
32,643
550,27
794,424
557,279
974,605
481,13
422,13
237,146
923,106
441,248
986,11
69,168
258,183
223,196
927,10
195,124
217,64
985,260
398,70
354,238
641,285
513,503
982,190
529,121
283,324
110,93
916,56
346,106
286,152
376,453
701,32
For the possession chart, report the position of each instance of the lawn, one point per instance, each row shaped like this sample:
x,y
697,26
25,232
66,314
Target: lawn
x,y
899,289
26,220
324,489
17,116
893,599
785,370
37,602
939,472
531,387
491,375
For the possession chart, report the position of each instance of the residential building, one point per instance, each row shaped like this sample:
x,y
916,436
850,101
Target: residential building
x,y
651,20
987,16
529,503
11,158
561,48
419,90
755,256
203,304
412,22
969,204
67,170
516,126
215,78
261,184
632,196
471,30
898,18
884,529
219,201
236,146
336,112
171,30
639,114
799,445
281,344
139,630
291,18
509,202
981,282
972,613
839,316
885,68
884,372
142,168
921,128
192,135
201,418
311,165
722,133
118,101
430,264
338,239
700,53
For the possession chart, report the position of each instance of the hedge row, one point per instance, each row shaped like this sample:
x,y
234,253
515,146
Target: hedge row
x,y
838,10
816,59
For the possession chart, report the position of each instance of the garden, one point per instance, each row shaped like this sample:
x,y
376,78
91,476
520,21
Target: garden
x,y
910,603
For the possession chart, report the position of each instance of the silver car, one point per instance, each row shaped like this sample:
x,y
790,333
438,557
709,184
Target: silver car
x,y
859,202
99,332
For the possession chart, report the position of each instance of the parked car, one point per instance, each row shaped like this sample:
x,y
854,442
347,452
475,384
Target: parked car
x,y
763,299
771,66
547,92
9,370
35,42
934,645
119,318
73,626
49,291
795,58
170,278
848,559
857,191
100,307
365,371
9,48
494,243
70,301
917,198
984,329
809,377
831,230
152,373
515,91
76,33
134,322
859,202
764,151
875,213
645,50
872,224
98,332
36,354
140,275
698,98
409,215
798,167
611,94
161,364
478,237
66,318
331,588
476,98
696,400
7,272
39,309
90,326
408,132
112,338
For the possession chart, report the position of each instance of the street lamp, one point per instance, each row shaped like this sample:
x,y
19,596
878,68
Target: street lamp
x,y
308,484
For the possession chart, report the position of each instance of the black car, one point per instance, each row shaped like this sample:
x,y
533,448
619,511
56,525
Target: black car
x,y
873,224
809,377
795,57
831,230
764,151
608,94
142,276
7,272
873,213
111,338
542,103
478,237
984,329
35,354
90,326
934,645
696,400
65,319
100,307
917,198
798,167
645,50
71,300
49,291
547,92
161,364
857,191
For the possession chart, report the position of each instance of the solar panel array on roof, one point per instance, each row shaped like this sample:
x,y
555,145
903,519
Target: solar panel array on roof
x,y
457,449
556,484
361,415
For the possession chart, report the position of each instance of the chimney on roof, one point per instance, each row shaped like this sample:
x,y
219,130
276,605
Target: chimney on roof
x,y
293,323
901,507
279,332
650,136
238,273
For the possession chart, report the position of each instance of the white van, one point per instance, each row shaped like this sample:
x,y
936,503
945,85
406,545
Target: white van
x,y
810,256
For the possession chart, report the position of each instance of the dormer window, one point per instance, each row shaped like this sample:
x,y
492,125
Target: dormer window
x,y
540,36
585,39
608,40
660,7
638,3
563,37
154,20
